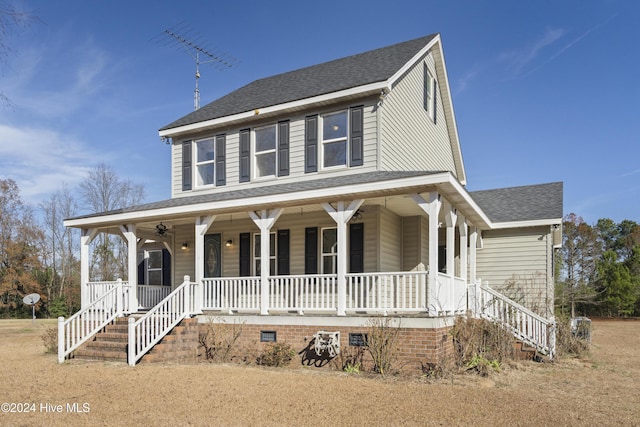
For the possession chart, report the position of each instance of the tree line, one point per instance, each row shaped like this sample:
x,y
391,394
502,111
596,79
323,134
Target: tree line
x,y
598,271
39,255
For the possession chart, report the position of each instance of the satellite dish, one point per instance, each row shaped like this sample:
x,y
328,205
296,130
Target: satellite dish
x,y
31,300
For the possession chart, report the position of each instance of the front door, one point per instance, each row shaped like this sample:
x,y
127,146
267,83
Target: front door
x,y
212,255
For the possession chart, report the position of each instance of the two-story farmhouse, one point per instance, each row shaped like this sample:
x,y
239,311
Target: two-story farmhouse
x,y
316,199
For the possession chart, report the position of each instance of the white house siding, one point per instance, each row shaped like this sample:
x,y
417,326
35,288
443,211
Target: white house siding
x,y
390,241
410,139
296,151
518,263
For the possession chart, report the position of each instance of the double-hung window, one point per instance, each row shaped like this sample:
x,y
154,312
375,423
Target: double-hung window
x,y
205,162
154,268
257,253
329,250
265,151
334,139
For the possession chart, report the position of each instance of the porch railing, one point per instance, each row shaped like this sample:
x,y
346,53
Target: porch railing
x,y
149,295
524,324
385,292
83,325
449,296
148,330
315,292
231,293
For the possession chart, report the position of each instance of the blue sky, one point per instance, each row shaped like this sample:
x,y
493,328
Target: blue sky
x,y
543,91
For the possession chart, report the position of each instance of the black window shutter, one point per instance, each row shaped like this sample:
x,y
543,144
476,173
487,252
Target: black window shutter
x,y
283,148
283,252
356,137
142,272
245,254
311,250
435,97
356,248
311,144
245,155
166,268
221,173
186,166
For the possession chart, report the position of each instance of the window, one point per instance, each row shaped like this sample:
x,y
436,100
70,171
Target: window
x,y
334,139
154,267
272,253
268,336
205,162
429,92
329,250
265,151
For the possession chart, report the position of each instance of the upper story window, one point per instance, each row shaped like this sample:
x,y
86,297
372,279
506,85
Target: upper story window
x,y
265,151
334,139
205,162
208,159
430,86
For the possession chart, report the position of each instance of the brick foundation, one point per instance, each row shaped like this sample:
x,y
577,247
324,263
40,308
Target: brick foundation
x,y
416,346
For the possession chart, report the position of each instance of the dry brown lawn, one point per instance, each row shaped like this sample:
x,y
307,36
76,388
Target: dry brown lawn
x,y
601,390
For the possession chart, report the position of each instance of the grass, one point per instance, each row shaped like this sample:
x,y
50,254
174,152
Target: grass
x,y
600,390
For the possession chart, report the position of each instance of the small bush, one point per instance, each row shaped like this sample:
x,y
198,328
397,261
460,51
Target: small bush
x,y
568,343
218,340
481,345
381,343
50,339
349,358
276,354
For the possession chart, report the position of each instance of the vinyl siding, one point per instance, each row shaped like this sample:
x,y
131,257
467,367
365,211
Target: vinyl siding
x,y
410,138
390,241
518,262
296,153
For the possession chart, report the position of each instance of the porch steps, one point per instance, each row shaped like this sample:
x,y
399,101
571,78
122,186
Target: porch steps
x,y
181,344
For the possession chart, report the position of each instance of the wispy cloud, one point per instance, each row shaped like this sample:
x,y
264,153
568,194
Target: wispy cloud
x,y
40,160
519,59
631,173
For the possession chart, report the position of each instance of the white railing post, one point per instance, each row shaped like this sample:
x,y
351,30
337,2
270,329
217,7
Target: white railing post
x,y
60,339
197,297
131,347
119,297
187,296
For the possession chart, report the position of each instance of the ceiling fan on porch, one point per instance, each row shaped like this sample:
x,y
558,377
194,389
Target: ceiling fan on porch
x,y
162,230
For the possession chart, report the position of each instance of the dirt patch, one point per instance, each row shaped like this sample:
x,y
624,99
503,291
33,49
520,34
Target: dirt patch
x,y
600,390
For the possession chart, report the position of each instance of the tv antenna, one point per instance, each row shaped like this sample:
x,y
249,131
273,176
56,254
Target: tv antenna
x,y
195,45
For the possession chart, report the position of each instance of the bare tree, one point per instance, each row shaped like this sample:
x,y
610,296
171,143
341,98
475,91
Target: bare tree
x,y
104,191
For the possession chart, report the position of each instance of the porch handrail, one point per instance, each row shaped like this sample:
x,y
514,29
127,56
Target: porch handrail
x,y
531,328
387,291
149,329
87,322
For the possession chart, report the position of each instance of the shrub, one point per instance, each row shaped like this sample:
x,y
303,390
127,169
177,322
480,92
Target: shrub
x,y
481,345
381,343
349,359
276,354
50,339
218,340
568,342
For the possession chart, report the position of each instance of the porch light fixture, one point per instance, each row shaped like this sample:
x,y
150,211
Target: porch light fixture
x,y
229,243
185,246
161,230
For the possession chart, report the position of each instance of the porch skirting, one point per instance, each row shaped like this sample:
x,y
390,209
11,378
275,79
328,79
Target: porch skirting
x,y
420,340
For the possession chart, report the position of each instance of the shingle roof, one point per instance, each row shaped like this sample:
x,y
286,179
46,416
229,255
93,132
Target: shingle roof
x,y
531,202
269,190
353,71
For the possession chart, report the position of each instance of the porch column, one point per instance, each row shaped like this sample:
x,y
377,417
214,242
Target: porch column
x,y
341,215
265,222
86,237
432,209
473,241
203,224
463,229
129,234
451,218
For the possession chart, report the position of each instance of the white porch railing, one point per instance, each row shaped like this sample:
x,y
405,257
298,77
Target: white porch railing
x,y
231,293
315,292
148,330
150,295
449,295
384,292
83,325
524,324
